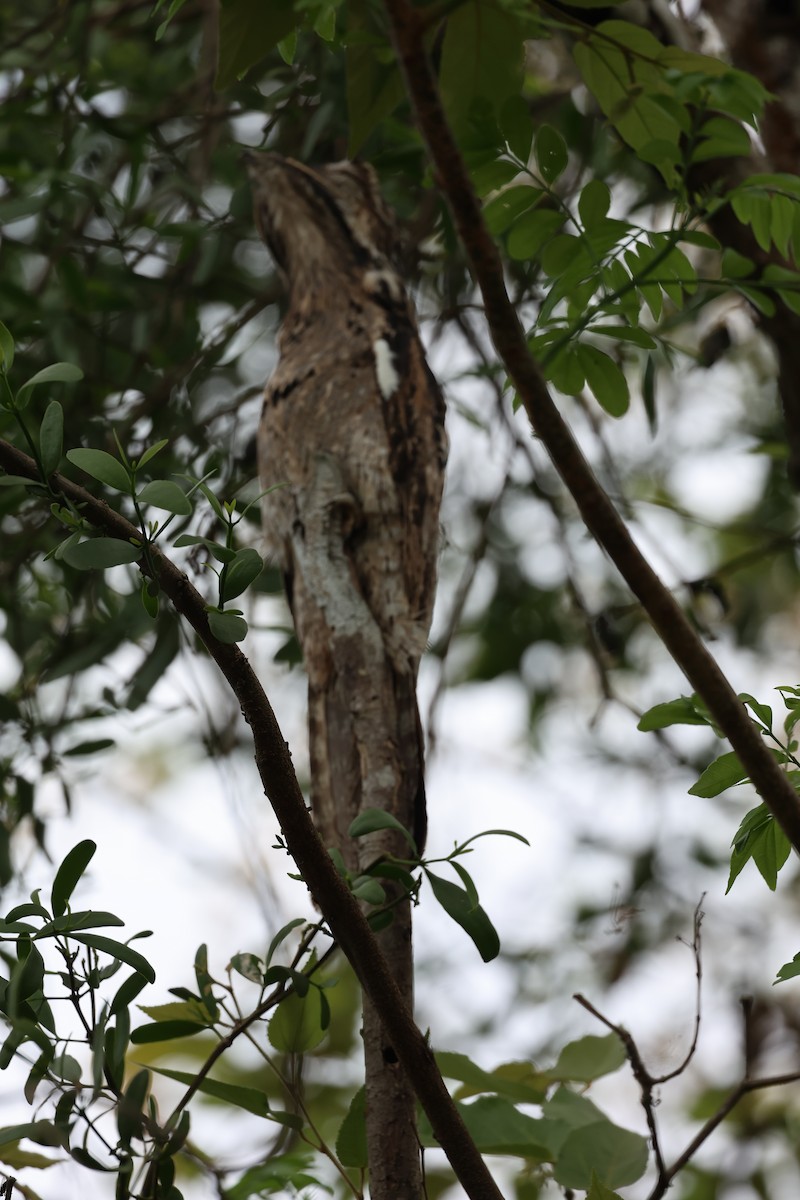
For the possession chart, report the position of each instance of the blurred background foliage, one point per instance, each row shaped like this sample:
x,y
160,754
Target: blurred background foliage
x,y
128,247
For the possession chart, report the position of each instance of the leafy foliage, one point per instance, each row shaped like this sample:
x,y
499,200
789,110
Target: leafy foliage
x,y
133,284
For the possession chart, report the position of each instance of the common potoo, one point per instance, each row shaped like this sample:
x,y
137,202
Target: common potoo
x,y
352,444
353,432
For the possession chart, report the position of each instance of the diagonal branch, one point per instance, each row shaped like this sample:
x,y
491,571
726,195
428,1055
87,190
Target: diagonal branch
x,y
597,510
273,759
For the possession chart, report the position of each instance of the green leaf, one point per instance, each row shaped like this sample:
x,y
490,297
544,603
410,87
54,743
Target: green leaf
x,y
86,748
100,552
532,231
351,1141
518,1081
19,481
152,451
283,1173
589,1058
248,965
282,935
163,493
605,378
761,838
71,870
593,1144
762,711
784,212
551,153
473,920
296,1025
51,437
673,712
6,350
599,1191
516,125
625,333
564,371
119,951
246,567
502,210
248,30
90,919
178,1010
498,1127
103,467
18,1159
373,88
369,820
165,1031
603,1151
789,970
735,265
127,993
150,603
698,237
42,1132
131,1104
223,554
205,984
721,138
490,39
227,627
287,46
249,1099
759,299
60,372
722,773
85,1159
628,87
594,203
368,890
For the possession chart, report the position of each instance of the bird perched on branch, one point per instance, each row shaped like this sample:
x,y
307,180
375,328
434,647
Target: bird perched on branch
x,y
353,427
353,430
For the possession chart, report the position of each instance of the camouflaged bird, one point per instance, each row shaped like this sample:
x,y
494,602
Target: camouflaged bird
x,y
353,430
353,427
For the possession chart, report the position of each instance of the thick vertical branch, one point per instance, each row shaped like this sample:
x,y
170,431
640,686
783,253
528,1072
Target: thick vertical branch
x,y
351,457
597,510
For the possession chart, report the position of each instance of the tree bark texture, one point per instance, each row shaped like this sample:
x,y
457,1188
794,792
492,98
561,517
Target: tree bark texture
x,y
763,37
351,448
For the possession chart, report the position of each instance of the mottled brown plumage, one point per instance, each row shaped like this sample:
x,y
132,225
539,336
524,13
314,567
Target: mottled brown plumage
x,y
353,430
353,427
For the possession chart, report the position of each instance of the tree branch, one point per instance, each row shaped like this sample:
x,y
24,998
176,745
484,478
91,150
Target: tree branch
x,y
273,759
598,512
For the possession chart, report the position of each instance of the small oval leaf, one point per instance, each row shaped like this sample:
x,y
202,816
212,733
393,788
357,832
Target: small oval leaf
x,y
551,153
99,553
163,493
244,570
68,874
227,627
51,437
101,466
472,919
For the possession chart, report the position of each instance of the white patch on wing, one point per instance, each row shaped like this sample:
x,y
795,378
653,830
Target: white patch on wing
x,y
383,282
388,378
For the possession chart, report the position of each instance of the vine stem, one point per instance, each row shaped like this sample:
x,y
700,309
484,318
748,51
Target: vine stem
x,y
601,518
